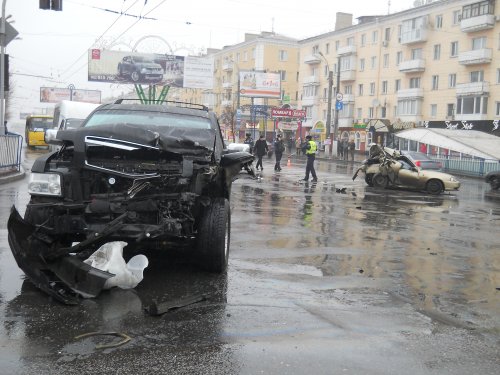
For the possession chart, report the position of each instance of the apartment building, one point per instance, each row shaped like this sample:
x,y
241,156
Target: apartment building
x,y
435,65
264,52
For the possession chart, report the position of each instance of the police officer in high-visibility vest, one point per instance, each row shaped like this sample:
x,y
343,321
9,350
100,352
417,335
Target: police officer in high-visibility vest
x,y
310,151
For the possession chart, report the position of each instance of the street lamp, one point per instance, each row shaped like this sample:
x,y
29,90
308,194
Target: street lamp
x,y
329,109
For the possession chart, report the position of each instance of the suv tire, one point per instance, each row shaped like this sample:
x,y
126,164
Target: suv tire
x,y
214,232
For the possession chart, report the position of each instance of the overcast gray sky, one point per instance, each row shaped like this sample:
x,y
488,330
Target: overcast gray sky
x,y
52,49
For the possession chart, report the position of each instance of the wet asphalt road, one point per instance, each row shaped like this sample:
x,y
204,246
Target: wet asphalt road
x,y
319,282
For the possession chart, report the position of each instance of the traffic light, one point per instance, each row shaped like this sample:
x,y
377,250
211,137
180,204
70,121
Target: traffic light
x,y
50,4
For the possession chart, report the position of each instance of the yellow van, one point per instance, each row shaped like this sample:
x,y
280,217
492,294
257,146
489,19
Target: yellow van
x,y
35,129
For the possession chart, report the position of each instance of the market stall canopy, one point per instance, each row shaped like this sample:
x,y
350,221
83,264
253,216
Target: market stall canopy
x,y
470,142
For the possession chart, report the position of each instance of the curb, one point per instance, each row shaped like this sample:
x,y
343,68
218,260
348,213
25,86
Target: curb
x,y
14,176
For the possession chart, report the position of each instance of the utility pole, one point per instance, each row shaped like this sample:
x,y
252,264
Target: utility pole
x,y
329,133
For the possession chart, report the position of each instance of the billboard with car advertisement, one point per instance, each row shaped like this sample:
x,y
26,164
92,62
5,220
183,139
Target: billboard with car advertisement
x,y
56,94
136,68
260,84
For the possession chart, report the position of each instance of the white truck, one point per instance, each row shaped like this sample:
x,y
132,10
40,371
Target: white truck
x,y
69,114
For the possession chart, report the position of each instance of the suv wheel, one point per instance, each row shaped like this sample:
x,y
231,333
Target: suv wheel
x,y
213,236
135,76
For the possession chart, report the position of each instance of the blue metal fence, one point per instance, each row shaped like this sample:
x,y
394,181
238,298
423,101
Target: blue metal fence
x,y
10,152
475,167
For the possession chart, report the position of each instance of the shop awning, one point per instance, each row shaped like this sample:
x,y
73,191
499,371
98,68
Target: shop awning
x,y
380,125
470,142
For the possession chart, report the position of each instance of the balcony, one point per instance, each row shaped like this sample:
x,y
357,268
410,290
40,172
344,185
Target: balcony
x,y
412,66
312,59
346,122
310,101
227,103
347,75
411,93
227,85
348,98
413,36
473,88
475,56
311,81
473,24
227,67
346,50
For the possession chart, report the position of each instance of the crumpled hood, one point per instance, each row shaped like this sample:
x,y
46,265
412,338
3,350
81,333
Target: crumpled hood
x,y
179,140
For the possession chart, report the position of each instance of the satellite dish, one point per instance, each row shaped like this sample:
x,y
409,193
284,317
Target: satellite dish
x,y
375,102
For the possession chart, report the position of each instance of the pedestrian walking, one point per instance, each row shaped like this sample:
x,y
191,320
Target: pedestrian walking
x,y
352,147
310,149
340,151
261,149
279,148
290,145
345,149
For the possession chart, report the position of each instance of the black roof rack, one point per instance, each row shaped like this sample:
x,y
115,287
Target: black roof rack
x,y
171,102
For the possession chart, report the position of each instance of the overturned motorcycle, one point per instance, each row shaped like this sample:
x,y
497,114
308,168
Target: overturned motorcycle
x,y
388,168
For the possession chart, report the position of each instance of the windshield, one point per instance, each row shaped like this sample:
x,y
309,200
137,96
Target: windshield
x,y
37,123
147,119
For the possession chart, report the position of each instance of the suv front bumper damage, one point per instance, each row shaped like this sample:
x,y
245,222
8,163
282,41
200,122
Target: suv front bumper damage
x,y
66,277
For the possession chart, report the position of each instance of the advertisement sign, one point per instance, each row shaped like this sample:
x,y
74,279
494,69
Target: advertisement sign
x,y
286,112
56,94
261,85
136,68
198,72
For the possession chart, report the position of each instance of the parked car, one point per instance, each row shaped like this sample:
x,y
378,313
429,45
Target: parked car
x,y
386,168
493,178
422,160
158,176
139,69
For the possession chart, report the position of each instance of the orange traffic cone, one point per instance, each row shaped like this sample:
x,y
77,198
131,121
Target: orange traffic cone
x,y
289,163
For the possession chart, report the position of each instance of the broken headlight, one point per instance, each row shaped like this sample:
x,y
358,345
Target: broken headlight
x,y
45,184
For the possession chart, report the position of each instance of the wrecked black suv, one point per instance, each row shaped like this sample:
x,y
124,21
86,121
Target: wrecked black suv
x,y
154,174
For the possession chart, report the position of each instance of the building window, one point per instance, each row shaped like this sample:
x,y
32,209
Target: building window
x,y
372,88
337,45
450,110
434,110
360,89
374,62
283,75
387,34
407,107
315,49
416,53
397,85
479,43
362,65
437,51
471,105
435,82
456,17
478,9
350,41
438,21
245,56
386,60
454,49
415,83
399,57
452,80
359,113
283,55
348,89
327,48
370,112
363,40
385,87
253,53
497,106
375,37
498,75
477,76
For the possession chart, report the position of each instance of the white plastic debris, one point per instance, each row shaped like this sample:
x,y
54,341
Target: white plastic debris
x,y
109,257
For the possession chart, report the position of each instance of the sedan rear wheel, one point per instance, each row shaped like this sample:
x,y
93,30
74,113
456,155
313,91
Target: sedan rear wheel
x,y
380,181
369,179
434,187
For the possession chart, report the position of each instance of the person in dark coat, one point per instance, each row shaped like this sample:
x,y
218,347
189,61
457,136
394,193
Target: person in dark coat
x,y
249,141
279,148
261,149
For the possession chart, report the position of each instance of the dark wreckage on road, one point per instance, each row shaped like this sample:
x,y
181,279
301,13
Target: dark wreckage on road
x,y
157,174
